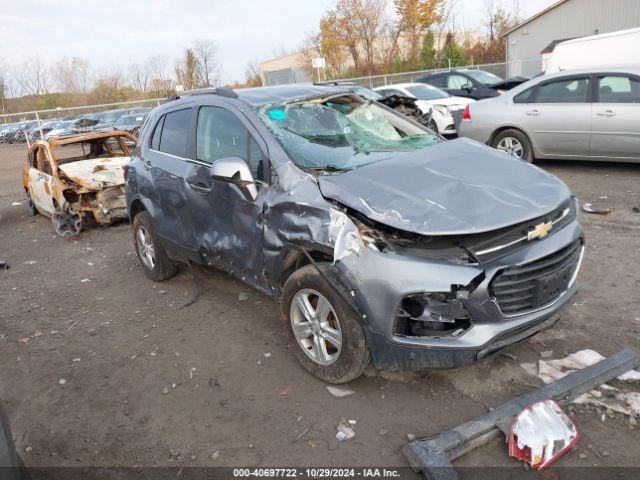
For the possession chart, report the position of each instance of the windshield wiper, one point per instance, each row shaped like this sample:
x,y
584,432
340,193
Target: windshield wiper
x,y
329,168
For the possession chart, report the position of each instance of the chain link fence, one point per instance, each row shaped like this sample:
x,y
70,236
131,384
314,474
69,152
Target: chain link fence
x,y
19,130
527,68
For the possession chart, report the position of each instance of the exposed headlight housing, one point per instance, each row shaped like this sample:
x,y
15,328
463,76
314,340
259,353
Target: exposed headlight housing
x,y
443,110
432,314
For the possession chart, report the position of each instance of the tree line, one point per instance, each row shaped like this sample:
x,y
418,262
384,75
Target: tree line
x,y
34,84
360,37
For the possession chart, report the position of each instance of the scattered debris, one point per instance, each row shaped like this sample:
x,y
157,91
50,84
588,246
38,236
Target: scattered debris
x,y
85,280
411,437
542,433
215,455
635,210
267,355
30,262
165,390
345,432
339,392
4,265
213,382
596,207
384,432
77,359
286,390
175,452
613,399
243,296
62,381
546,354
16,204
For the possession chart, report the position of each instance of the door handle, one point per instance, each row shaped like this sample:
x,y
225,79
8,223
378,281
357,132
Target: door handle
x,y
606,113
533,113
199,186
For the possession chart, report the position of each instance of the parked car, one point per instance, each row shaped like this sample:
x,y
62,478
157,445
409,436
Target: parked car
x,y
78,180
382,241
40,131
399,102
65,127
130,123
475,84
107,119
591,114
17,132
446,110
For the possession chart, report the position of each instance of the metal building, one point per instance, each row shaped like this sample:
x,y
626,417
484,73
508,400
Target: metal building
x,y
563,20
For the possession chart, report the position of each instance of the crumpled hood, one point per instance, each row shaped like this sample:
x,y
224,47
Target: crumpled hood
x,y
454,187
96,173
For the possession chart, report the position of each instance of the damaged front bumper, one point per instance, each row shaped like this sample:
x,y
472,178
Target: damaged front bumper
x,y
488,294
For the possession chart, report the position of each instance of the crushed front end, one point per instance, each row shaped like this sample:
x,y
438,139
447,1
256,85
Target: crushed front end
x,y
431,302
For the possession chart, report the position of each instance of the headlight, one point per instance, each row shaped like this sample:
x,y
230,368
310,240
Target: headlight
x,y
444,111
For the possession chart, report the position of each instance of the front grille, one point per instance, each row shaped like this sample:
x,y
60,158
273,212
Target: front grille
x,y
537,284
457,117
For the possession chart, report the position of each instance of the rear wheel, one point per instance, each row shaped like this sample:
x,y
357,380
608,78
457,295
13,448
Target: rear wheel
x,y
154,260
327,333
515,143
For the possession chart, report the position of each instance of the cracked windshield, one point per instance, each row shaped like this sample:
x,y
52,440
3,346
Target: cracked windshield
x,y
343,133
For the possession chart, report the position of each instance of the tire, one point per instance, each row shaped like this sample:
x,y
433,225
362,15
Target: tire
x,y
515,143
154,260
32,210
339,365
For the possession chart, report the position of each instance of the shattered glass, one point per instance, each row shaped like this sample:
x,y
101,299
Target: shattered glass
x,y
341,136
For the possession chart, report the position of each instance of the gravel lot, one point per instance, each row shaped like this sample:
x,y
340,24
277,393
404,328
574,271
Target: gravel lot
x,y
196,370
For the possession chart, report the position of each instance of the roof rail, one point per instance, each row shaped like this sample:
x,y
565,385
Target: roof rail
x,y
221,91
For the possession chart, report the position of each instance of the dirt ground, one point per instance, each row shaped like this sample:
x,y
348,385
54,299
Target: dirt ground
x,y
102,367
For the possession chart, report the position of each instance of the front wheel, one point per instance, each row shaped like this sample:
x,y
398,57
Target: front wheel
x,y
327,333
514,143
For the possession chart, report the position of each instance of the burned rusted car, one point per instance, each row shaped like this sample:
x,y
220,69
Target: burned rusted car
x,y
78,180
382,241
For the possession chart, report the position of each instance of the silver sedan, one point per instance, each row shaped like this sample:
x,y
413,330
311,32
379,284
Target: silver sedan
x,y
580,114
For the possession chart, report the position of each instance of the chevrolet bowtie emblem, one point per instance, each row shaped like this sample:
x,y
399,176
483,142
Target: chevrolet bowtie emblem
x,y
540,231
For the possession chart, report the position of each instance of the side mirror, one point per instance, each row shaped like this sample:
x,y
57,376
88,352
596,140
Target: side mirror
x,y
467,87
235,170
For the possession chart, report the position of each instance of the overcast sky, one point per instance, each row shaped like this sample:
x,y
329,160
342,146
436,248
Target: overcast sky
x,y
111,32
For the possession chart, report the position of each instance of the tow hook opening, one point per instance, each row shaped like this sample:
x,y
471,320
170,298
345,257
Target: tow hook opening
x,y
432,314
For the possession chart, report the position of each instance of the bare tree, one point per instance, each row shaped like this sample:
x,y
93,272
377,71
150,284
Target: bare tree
x,y
33,77
159,77
72,75
188,70
139,77
252,75
206,52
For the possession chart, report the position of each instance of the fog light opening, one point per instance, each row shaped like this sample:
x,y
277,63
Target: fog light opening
x,y
431,315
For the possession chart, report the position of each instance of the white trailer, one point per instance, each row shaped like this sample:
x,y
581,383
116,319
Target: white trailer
x,y
614,48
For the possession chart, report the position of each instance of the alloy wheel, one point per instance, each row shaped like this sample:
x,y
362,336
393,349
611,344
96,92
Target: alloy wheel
x,y
316,326
511,146
146,249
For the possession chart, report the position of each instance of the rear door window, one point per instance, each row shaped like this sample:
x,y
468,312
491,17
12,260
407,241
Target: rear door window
x,y
574,90
175,132
618,89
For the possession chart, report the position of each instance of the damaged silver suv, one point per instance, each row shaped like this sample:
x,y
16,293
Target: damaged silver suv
x,y
383,242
